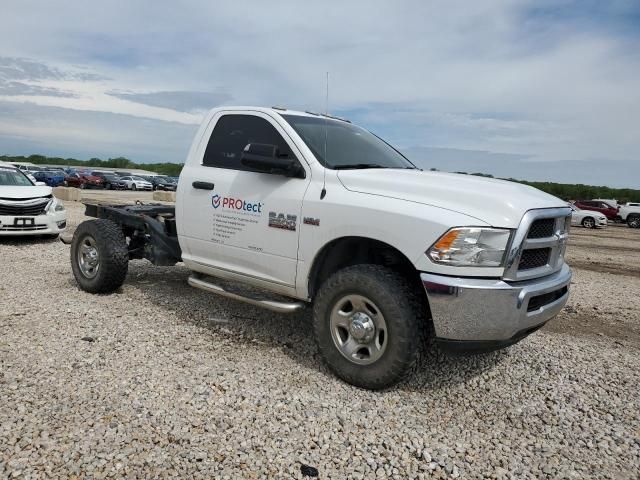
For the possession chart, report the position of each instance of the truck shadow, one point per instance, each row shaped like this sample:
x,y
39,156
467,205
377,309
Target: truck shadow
x,y
26,240
293,333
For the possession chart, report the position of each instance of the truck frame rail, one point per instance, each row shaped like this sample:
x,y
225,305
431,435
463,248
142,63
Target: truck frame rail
x,y
150,230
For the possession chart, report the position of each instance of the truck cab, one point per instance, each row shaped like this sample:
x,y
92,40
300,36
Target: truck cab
x,y
317,211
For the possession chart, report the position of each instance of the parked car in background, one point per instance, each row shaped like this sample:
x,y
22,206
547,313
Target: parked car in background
x,y
31,169
27,208
136,183
630,214
612,202
83,180
110,181
598,206
53,178
587,218
160,182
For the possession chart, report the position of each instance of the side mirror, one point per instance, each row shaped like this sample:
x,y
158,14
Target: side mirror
x,y
266,158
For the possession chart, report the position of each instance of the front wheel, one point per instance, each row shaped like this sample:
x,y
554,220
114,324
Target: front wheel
x,y
633,221
369,325
134,187
99,256
588,222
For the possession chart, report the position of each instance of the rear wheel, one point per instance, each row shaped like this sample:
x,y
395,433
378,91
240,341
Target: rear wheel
x,y
633,221
588,222
99,256
369,325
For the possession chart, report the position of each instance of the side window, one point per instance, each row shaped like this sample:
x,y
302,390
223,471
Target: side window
x,y
232,133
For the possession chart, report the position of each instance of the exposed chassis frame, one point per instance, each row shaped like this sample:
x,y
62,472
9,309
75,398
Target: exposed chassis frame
x,y
150,230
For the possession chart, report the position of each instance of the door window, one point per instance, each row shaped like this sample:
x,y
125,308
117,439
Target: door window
x,y
233,132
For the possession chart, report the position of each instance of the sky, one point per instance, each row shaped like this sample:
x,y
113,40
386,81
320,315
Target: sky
x,y
530,89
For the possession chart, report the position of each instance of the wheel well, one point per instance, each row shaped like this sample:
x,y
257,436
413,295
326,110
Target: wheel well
x,y
347,251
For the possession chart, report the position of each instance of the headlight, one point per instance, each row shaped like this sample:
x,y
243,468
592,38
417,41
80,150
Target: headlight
x,y
56,205
471,247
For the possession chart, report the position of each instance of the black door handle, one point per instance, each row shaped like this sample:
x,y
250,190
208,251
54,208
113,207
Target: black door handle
x,y
203,185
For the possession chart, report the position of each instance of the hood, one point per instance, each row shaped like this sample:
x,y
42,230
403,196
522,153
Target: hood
x,y
500,203
19,193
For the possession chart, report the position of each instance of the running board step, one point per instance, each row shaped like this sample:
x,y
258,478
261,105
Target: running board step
x,y
276,306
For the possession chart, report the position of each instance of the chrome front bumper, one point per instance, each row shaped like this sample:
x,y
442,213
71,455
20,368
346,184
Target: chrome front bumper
x,y
491,310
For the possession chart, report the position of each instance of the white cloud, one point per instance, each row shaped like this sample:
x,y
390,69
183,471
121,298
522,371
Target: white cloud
x,y
549,80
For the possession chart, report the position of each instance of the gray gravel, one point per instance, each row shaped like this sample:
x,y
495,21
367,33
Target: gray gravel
x,y
179,383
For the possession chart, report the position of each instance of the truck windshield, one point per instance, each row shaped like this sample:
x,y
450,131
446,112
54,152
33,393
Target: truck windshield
x,y
347,146
14,179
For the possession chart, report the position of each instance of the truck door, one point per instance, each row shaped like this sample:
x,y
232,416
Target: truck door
x,y
236,219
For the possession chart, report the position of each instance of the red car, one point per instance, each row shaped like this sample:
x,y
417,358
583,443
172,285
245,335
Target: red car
x,y
598,206
81,180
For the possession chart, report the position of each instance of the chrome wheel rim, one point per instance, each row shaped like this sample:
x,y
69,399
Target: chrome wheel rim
x,y
88,257
588,223
358,329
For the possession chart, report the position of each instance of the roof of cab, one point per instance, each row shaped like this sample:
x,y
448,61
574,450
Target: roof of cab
x,y
278,110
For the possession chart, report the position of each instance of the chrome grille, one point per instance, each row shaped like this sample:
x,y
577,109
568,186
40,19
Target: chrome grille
x,y
31,208
542,228
534,258
539,244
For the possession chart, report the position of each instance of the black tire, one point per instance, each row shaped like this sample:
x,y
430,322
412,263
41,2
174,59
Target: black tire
x,y
404,313
589,222
107,186
113,256
633,221
133,186
83,186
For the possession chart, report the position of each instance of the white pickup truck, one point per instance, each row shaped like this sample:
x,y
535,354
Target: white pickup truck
x,y
630,214
309,209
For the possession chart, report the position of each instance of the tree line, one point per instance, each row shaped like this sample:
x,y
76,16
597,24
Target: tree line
x,y
566,191
171,169
574,191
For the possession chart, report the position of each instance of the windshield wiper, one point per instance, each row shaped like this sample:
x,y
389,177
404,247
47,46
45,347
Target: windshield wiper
x,y
358,166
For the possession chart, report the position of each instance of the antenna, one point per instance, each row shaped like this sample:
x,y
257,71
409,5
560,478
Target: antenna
x,y
326,111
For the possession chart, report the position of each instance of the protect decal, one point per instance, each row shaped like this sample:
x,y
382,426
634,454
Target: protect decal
x,y
233,216
283,221
230,203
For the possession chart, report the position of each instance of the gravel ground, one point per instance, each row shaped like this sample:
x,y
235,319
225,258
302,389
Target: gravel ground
x,y
162,380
